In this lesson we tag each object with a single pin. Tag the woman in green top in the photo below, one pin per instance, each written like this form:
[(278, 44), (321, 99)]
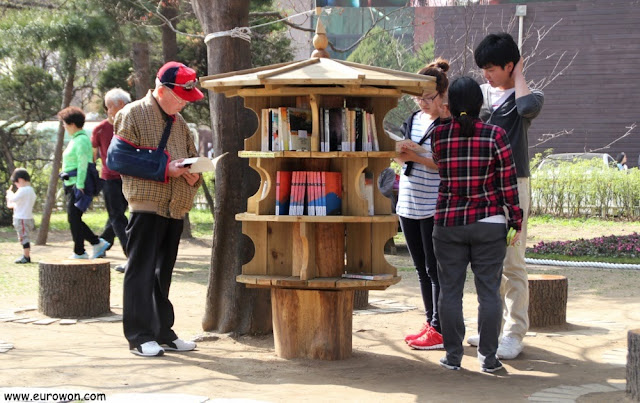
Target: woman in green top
[(75, 160)]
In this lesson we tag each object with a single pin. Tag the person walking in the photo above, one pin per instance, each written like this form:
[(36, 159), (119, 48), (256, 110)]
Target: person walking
[(478, 180), (21, 202), (157, 210), (114, 201)]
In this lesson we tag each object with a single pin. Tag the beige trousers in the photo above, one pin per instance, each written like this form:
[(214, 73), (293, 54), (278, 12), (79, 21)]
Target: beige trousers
[(515, 282)]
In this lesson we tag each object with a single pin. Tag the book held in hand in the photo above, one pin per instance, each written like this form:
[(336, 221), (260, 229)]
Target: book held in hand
[(201, 164), (412, 145)]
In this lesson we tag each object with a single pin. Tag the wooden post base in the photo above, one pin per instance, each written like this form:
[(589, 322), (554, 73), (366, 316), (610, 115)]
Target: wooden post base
[(547, 300), (74, 288), (633, 365), (312, 323)]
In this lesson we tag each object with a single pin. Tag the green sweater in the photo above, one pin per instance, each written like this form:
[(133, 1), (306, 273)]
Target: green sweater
[(77, 156)]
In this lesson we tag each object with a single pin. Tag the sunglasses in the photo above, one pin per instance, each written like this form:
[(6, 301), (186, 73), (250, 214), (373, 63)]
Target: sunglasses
[(189, 85)]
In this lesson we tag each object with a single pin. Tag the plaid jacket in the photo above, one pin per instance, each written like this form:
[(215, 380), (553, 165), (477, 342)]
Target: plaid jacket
[(142, 123), (478, 176)]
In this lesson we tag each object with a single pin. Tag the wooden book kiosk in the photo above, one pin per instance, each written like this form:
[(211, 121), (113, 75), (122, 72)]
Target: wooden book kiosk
[(302, 258)]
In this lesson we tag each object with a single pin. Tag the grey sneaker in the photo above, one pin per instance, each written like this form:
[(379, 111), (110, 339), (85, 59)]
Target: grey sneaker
[(100, 248), (23, 260), (446, 364), (496, 366), (148, 349)]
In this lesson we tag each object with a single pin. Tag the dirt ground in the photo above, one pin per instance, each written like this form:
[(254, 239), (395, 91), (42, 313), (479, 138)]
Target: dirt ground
[(586, 355)]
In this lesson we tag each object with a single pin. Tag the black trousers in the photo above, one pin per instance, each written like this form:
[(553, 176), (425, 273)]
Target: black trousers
[(79, 230), (418, 234), (116, 206), (152, 250)]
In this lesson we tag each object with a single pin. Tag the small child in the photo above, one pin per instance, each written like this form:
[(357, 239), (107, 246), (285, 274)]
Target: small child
[(22, 203)]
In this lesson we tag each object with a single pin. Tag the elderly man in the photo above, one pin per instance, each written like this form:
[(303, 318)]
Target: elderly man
[(157, 210), (114, 201)]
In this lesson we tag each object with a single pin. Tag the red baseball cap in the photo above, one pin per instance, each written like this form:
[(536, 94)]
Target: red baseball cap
[(181, 79)]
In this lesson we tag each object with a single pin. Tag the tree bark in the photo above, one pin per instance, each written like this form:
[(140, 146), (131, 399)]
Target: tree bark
[(74, 289), (230, 306), (633, 365), (50, 202), (361, 299), (547, 300), (141, 68), (169, 37)]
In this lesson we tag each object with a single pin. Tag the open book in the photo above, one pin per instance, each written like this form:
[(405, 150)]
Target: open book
[(201, 164), (411, 145)]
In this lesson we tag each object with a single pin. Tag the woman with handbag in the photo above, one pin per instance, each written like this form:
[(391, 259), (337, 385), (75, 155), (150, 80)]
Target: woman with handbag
[(77, 157)]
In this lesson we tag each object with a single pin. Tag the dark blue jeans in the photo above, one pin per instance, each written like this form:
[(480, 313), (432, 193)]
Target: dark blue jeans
[(418, 234), (116, 206)]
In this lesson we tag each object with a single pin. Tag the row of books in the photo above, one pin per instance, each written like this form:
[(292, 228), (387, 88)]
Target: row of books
[(340, 129), (314, 193)]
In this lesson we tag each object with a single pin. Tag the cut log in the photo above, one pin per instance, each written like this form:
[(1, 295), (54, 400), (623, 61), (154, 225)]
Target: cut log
[(547, 300), (74, 288), (361, 299), (633, 365), (311, 323)]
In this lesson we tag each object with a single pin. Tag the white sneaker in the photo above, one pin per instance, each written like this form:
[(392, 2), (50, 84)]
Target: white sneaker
[(509, 348), (148, 349), (83, 256), (474, 340), (179, 345), (100, 248)]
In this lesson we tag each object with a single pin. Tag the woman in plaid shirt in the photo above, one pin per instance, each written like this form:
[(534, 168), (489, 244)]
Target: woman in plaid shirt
[(478, 179)]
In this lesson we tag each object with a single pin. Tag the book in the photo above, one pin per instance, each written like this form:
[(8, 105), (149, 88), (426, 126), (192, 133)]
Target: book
[(332, 185), (265, 131), (374, 132), (201, 164), (368, 276), (300, 128), (334, 123), (283, 128), (283, 192), (412, 145), (275, 127)]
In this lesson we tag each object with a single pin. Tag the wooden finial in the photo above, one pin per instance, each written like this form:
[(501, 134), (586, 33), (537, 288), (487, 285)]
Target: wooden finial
[(320, 40)]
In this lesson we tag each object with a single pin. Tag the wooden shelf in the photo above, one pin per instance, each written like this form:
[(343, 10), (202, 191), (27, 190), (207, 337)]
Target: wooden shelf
[(318, 219), (320, 283), (317, 154)]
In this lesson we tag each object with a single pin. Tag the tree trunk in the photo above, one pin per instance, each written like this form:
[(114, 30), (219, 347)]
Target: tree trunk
[(361, 299), (207, 195), (230, 307), (633, 365), (186, 228), (547, 300), (141, 68), (50, 202), (169, 37), (74, 289)]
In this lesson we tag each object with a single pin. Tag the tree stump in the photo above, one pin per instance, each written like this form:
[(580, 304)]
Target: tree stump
[(74, 288), (312, 323), (633, 365), (361, 299), (547, 300)]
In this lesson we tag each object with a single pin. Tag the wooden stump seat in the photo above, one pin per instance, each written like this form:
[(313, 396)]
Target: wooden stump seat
[(548, 295), (633, 365), (74, 288)]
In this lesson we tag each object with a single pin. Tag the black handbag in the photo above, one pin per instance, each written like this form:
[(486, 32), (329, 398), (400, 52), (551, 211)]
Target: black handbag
[(149, 163)]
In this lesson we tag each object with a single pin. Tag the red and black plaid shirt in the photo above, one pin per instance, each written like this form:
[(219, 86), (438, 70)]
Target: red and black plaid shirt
[(478, 176)]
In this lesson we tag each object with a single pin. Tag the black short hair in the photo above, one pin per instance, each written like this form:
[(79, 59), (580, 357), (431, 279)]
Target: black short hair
[(496, 50), (72, 114), (20, 173)]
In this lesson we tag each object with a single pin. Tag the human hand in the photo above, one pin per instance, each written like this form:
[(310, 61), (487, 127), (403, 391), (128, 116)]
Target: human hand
[(191, 178), (407, 154), (513, 237), (176, 170), (518, 68)]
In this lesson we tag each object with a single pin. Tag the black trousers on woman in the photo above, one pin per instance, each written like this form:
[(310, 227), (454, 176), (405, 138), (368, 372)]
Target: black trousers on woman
[(152, 249), (418, 234), (80, 232)]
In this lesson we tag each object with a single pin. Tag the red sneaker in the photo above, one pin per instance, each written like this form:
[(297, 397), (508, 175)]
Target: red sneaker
[(425, 328), (432, 340)]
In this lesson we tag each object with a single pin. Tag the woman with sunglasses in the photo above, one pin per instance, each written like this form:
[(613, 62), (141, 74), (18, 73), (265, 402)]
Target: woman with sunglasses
[(417, 195)]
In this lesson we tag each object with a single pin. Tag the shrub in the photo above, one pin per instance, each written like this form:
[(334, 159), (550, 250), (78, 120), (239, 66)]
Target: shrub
[(626, 246)]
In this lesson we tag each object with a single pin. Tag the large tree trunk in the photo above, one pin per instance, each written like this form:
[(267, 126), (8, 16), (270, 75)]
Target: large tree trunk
[(141, 68), (633, 365), (50, 202), (230, 307), (169, 37)]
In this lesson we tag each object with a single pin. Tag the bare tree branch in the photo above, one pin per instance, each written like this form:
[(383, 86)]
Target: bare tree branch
[(551, 136), (629, 130)]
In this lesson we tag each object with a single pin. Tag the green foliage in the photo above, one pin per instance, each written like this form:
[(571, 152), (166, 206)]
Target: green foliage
[(29, 93), (586, 188), (116, 74)]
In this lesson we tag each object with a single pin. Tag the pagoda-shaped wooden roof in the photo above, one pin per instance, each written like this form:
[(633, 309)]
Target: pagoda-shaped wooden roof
[(319, 72)]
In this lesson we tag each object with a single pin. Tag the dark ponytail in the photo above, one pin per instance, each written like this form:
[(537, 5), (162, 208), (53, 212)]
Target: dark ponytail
[(465, 101)]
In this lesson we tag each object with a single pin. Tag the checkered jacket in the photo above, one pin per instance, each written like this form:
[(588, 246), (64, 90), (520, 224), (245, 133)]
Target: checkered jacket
[(478, 176), (142, 123)]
